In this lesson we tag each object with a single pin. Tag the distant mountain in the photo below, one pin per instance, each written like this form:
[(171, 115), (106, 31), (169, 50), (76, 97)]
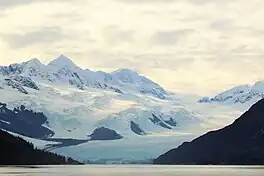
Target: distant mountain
[(62, 70), (241, 143), (244, 94), (16, 151)]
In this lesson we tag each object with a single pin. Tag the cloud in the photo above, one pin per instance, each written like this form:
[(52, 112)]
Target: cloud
[(10, 3), (141, 62), (43, 35), (216, 2), (147, 1), (168, 2), (170, 37), (115, 35), (198, 43), (4, 4), (72, 16), (223, 24)]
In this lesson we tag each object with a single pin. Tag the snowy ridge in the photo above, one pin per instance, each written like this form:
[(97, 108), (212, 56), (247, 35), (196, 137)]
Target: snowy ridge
[(244, 94), (63, 71)]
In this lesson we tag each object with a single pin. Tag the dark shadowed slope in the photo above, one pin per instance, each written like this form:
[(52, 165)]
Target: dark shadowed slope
[(239, 143), (25, 122), (16, 151), (102, 134)]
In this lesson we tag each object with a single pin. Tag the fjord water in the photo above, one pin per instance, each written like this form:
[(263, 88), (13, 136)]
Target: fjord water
[(132, 170)]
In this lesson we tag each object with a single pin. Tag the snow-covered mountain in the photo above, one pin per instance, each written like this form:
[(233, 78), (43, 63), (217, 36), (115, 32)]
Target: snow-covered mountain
[(240, 95), (88, 114), (63, 71)]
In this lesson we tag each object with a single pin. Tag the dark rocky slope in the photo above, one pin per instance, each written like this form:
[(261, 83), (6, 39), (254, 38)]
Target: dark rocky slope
[(136, 129), (25, 122), (237, 144), (16, 151), (102, 134)]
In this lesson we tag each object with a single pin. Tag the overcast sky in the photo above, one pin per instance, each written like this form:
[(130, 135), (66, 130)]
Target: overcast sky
[(199, 46)]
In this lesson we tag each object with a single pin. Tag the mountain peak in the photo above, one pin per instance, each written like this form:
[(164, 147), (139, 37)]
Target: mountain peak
[(62, 61), (34, 61)]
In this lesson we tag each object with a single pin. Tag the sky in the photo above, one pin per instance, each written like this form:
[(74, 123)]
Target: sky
[(197, 46)]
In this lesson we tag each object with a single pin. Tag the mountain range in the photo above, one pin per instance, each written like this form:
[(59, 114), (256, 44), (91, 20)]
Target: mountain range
[(63, 71), (86, 114)]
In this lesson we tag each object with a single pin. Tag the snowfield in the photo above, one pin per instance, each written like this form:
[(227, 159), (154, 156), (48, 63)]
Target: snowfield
[(76, 102)]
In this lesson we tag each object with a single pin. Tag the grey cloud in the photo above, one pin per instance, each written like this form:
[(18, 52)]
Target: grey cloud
[(13, 3), (42, 35), (159, 61), (224, 24), (138, 61), (115, 35), (246, 49), (170, 37), (10, 3)]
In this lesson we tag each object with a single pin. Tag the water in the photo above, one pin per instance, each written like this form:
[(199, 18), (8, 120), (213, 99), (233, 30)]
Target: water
[(129, 170)]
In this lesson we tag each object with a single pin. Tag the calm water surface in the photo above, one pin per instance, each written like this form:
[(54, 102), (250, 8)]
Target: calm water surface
[(129, 170)]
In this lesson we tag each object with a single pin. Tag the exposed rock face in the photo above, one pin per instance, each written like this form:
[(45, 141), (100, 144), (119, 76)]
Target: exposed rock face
[(103, 133), (25, 81), (241, 143), (171, 122), (11, 69), (106, 86), (18, 82), (24, 122), (16, 85), (159, 121), (136, 129)]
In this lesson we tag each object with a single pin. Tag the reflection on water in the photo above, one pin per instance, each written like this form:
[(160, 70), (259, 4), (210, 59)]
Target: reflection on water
[(129, 170)]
